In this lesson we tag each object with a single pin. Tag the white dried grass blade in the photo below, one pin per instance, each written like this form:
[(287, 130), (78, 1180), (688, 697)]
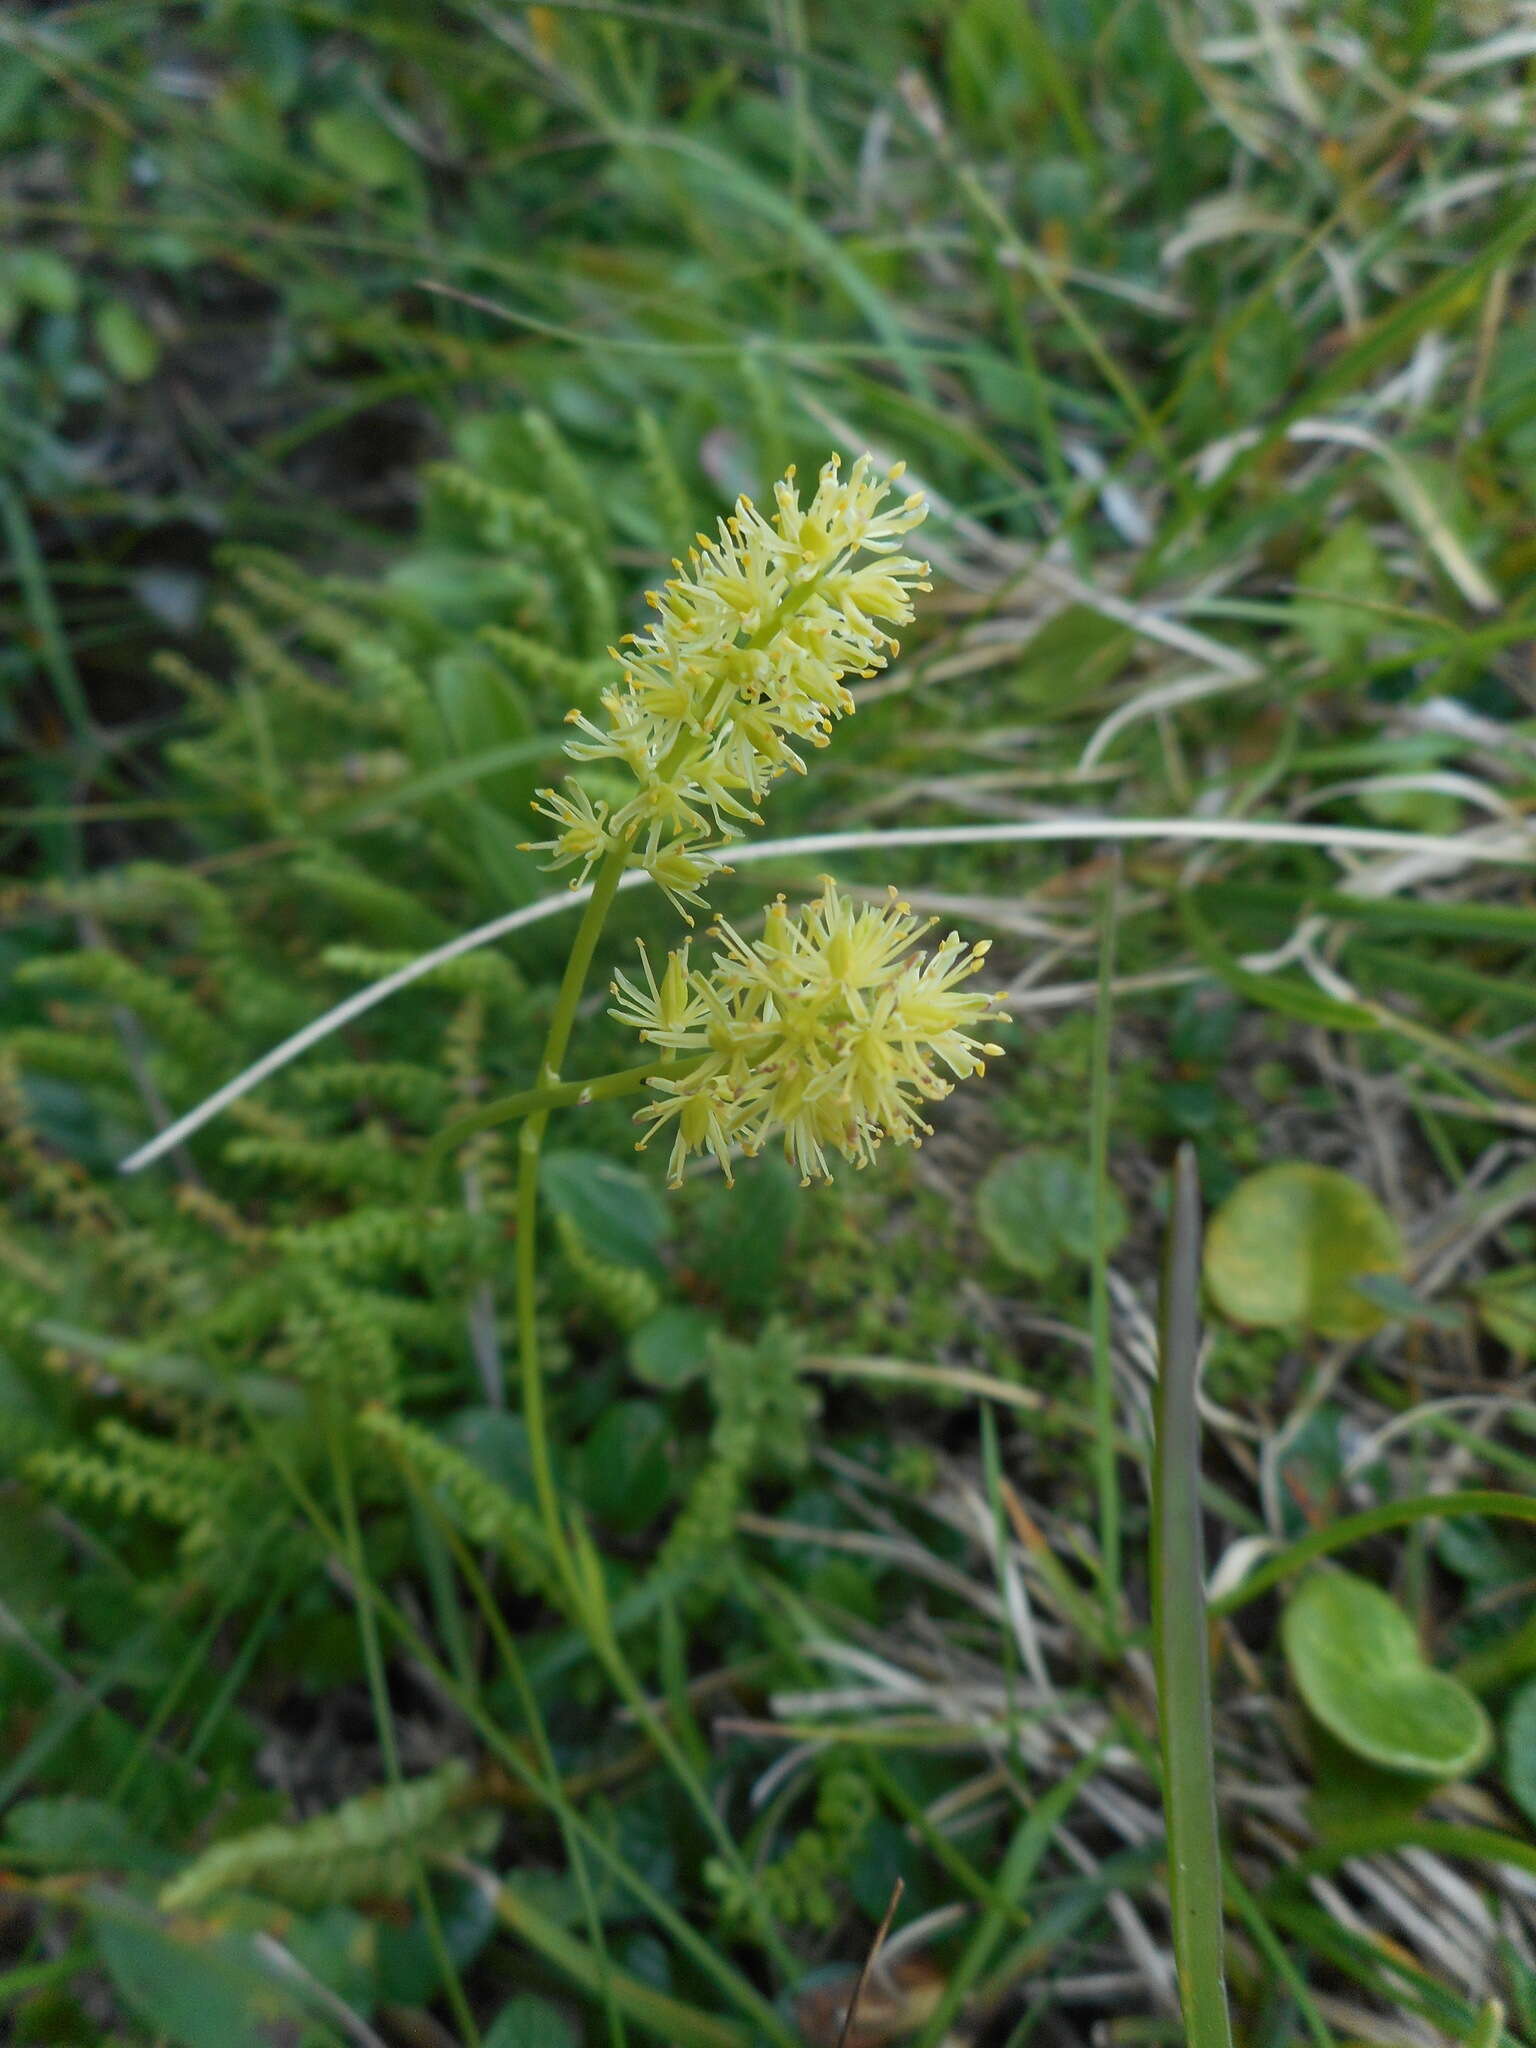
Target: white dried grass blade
[(1438, 782), (1165, 697), (917, 1933), (1226, 219), (1464, 191), (1121, 507), (1236, 1562), (1425, 514), (1501, 49), (1517, 850), (1152, 624)]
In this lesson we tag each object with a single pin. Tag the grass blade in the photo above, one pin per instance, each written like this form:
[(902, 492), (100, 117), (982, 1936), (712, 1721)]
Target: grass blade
[(1181, 1651), (1106, 1474)]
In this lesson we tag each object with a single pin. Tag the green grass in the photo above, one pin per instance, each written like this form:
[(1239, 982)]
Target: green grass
[(361, 367)]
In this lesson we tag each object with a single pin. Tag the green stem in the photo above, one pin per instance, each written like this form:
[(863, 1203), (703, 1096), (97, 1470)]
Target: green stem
[(530, 1140), (1181, 1648), (532, 1101), (531, 1137)]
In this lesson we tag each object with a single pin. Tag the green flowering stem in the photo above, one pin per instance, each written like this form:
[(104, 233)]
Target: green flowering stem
[(1181, 1652), (530, 1140), (529, 1102)]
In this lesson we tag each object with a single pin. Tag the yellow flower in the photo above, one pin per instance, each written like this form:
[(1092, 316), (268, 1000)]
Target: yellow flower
[(584, 831), (828, 1030), (743, 664), (666, 1013)]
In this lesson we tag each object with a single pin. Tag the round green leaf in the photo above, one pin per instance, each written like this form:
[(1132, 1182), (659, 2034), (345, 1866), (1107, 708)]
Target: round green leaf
[(1285, 1250), (672, 1347), (1520, 1750), (1035, 1209), (1357, 1664)]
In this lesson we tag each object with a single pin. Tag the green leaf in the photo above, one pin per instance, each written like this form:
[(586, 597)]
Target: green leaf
[(73, 1833), (41, 279), (131, 348), (1286, 1247), (1035, 1209), (1484, 1556), (1285, 993), (1506, 1308), (1071, 658), (361, 148), (1338, 583), (341, 1948), (672, 1348), (1357, 1664), (618, 1215), (1348, 1792), (1431, 494), (496, 1444), (485, 711), (1395, 1298), (529, 2022), (457, 588), (207, 1994), (626, 1472), (1520, 1750), (410, 1961)]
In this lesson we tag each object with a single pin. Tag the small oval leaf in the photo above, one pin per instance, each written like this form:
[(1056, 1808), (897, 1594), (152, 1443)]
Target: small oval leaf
[(1035, 1209), (1357, 1664), (671, 1348), (1289, 1245), (130, 347)]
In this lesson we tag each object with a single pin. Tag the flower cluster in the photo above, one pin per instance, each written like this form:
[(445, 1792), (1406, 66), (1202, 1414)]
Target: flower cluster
[(828, 1029), (743, 663)]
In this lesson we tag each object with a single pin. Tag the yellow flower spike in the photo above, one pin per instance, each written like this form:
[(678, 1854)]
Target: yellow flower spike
[(742, 663), (827, 1030)]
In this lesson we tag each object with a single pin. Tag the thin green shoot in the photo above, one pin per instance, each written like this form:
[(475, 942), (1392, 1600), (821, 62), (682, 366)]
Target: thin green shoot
[(1106, 1468), (1181, 1649)]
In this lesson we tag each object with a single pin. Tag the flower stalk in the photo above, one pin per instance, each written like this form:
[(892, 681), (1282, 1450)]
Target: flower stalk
[(828, 1030)]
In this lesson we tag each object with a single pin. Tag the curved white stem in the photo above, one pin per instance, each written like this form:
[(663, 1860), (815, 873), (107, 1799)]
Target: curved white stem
[(1508, 849)]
